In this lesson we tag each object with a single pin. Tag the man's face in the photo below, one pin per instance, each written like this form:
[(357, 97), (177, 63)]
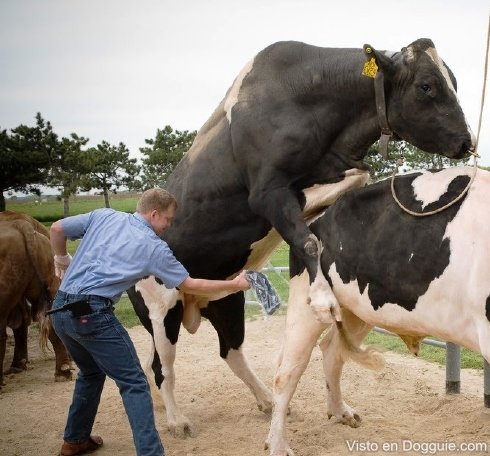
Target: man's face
[(161, 220)]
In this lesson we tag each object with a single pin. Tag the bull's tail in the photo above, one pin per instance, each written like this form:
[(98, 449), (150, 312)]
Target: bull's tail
[(369, 357)]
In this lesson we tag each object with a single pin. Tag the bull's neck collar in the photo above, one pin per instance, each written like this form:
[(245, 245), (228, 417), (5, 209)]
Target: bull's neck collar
[(386, 131)]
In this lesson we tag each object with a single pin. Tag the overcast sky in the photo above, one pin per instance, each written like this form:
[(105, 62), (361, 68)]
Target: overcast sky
[(118, 70)]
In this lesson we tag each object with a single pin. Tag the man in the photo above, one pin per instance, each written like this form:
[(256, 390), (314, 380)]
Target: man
[(116, 251)]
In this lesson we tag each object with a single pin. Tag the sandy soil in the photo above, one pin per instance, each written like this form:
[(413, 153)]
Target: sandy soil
[(405, 401)]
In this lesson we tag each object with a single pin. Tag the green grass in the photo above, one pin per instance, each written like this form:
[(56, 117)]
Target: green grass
[(53, 210), (469, 359), (126, 315)]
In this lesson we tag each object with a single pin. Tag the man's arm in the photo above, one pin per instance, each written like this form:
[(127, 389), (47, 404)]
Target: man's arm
[(62, 258), (58, 238), (205, 287)]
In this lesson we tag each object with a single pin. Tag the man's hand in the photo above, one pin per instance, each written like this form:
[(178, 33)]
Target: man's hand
[(241, 282), (61, 263)]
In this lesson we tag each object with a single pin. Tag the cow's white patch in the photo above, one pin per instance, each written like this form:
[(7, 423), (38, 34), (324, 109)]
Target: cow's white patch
[(232, 96), (429, 187), (453, 307)]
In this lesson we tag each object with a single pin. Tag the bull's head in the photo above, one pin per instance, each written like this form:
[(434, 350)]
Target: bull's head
[(421, 102)]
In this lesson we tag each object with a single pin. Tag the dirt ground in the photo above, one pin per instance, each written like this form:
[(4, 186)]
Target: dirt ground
[(405, 401)]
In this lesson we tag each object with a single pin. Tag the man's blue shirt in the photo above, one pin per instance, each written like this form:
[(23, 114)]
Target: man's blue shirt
[(116, 251)]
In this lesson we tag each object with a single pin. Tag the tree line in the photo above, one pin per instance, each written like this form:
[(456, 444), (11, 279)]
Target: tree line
[(36, 156)]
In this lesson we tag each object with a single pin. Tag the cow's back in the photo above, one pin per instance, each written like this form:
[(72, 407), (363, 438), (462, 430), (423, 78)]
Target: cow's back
[(383, 261)]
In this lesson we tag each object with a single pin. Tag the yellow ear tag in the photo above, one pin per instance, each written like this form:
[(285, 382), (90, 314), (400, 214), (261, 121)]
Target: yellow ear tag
[(370, 68)]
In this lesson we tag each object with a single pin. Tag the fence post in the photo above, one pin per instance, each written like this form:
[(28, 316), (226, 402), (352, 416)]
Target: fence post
[(453, 366), (486, 383)]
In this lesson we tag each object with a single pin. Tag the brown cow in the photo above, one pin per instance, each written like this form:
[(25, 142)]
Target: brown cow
[(27, 274)]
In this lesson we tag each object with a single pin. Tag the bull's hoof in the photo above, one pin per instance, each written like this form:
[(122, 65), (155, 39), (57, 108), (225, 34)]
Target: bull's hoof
[(311, 246), (182, 429)]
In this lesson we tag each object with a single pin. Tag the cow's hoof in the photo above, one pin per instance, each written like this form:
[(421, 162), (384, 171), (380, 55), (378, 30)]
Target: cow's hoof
[(64, 374), (182, 429), (63, 377), (285, 451), (348, 417), (311, 246), (19, 366), (265, 406), (15, 370)]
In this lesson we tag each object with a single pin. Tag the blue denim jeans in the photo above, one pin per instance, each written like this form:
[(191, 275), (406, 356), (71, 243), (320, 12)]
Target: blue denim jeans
[(100, 346)]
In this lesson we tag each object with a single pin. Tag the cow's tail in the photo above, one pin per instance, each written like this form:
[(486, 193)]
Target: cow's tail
[(45, 328), (369, 357)]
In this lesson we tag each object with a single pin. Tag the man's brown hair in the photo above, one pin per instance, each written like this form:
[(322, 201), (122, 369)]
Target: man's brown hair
[(155, 199)]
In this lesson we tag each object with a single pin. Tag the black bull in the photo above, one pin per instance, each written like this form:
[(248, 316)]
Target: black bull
[(297, 115)]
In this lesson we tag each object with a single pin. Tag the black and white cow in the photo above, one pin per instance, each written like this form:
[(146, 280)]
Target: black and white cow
[(288, 138), (415, 276)]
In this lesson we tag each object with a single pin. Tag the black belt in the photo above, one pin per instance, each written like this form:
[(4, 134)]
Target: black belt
[(79, 308)]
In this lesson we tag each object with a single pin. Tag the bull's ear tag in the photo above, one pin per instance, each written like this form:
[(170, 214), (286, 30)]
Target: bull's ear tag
[(370, 68)]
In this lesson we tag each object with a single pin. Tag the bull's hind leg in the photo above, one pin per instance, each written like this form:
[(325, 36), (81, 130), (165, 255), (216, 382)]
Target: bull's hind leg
[(165, 342), (301, 334), (161, 315), (227, 317), (334, 357)]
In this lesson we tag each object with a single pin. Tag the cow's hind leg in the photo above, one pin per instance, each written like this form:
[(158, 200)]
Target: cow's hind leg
[(301, 335), (20, 359), (64, 364), (227, 317), (334, 357)]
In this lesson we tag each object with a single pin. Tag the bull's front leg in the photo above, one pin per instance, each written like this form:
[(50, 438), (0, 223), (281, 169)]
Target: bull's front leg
[(281, 207)]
